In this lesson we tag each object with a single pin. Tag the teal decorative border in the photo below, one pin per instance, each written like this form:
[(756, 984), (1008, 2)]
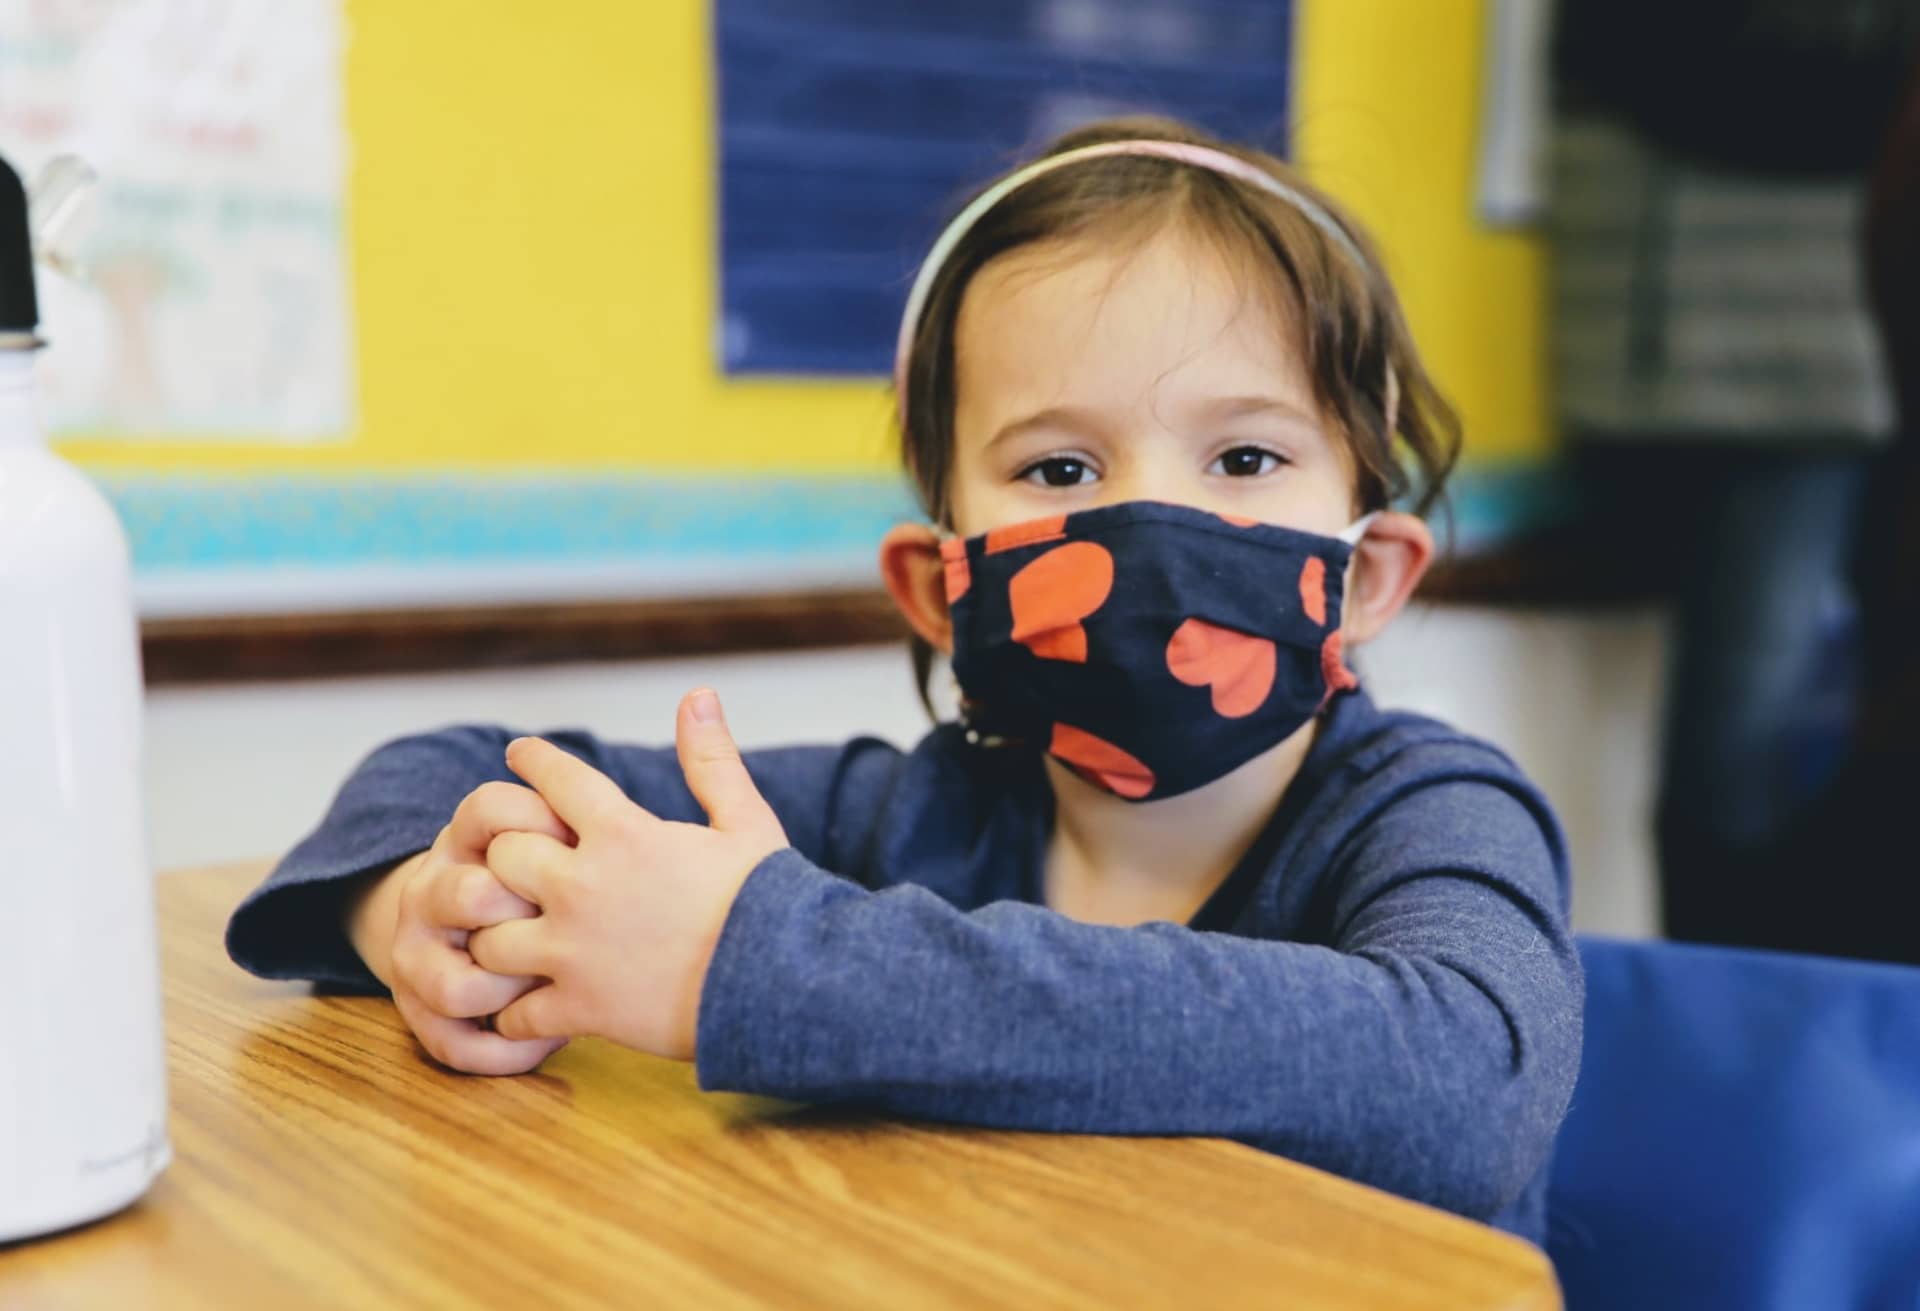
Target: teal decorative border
[(204, 524), (1492, 503)]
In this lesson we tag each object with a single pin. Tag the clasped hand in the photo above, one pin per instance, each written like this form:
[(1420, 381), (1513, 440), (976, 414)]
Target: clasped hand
[(564, 909)]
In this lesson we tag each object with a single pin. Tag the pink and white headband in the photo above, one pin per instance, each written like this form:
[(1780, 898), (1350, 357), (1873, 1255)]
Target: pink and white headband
[(1217, 161)]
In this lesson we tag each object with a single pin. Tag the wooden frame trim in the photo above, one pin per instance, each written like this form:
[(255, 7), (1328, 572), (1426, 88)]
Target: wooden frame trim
[(1541, 572), (336, 645)]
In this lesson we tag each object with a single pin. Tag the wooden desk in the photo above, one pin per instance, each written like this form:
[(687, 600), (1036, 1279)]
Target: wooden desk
[(321, 1162)]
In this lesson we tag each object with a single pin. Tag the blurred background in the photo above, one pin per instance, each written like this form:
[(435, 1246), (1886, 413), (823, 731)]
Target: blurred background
[(524, 364)]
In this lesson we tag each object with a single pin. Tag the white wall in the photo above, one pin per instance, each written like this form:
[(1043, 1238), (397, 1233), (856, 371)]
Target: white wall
[(245, 770), (1575, 698)]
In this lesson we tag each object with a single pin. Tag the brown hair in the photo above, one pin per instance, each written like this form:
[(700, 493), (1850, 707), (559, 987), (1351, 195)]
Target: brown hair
[(1351, 326)]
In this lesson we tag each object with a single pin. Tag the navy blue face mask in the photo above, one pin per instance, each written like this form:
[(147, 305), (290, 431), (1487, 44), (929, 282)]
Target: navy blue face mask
[(1151, 647)]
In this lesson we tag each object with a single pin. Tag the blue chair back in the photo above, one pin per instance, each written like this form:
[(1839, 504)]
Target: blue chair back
[(1745, 1133)]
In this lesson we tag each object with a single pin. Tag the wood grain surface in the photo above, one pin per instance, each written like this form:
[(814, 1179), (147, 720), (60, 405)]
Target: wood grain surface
[(321, 1161)]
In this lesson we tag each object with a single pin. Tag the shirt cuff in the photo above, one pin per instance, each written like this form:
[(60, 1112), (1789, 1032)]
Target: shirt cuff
[(296, 928), (740, 1042)]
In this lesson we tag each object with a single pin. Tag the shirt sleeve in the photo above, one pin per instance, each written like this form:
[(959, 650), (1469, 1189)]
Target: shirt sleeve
[(397, 800), (1429, 1049)]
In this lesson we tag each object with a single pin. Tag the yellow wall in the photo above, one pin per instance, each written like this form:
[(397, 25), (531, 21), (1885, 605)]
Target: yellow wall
[(533, 237), (1386, 117)]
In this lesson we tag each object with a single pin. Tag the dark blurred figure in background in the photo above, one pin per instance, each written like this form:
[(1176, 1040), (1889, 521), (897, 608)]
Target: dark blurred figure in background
[(1890, 728), (1731, 411), (1864, 828)]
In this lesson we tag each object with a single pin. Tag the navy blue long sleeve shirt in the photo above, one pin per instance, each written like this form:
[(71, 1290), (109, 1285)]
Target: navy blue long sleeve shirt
[(1385, 987)]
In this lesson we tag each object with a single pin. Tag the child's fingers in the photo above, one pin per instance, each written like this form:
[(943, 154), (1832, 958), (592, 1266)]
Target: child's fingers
[(541, 1014), (464, 1045), (517, 949), (471, 897), (531, 865), (448, 981), (716, 775), (494, 808), (580, 795)]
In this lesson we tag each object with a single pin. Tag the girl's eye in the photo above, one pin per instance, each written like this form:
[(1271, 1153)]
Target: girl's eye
[(1057, 471), (1247, 462)]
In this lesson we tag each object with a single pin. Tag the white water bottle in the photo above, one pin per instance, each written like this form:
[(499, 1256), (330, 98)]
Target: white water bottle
[(83, 1094)]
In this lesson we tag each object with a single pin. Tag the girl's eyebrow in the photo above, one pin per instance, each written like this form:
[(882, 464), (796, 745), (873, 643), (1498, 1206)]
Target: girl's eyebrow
[(1054, 416), (1240, 407), (1213, 410)]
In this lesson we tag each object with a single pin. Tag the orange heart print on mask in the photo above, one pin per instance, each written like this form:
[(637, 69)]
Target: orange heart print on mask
[(953, 564), (1237, 667), (1050, 596), (1101, 761), (1333, 666), (1313, 589)]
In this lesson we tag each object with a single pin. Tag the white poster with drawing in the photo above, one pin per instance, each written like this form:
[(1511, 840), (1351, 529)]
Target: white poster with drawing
[(211, 296)]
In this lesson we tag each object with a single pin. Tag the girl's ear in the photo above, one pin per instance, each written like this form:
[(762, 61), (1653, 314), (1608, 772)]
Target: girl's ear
[(1387, 565), (916, 579)]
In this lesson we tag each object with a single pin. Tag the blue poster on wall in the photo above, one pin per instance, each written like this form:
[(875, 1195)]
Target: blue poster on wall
[(851, 129)]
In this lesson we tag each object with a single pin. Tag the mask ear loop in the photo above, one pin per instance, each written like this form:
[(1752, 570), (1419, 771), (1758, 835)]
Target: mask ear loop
[(1354, 531)]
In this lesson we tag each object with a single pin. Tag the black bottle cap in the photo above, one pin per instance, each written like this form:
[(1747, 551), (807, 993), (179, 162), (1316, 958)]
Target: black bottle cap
[(19, 310)]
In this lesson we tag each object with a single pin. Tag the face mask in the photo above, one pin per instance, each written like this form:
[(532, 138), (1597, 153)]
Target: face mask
[(1152, 647)]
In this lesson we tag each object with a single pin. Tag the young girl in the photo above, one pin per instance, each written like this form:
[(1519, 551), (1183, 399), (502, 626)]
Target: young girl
[(1172, 873)]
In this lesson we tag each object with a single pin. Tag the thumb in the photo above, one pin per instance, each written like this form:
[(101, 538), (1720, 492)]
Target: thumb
[(715, 772)]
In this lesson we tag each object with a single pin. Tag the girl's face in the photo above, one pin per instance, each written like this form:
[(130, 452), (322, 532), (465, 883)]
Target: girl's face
[(1087, 377)]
